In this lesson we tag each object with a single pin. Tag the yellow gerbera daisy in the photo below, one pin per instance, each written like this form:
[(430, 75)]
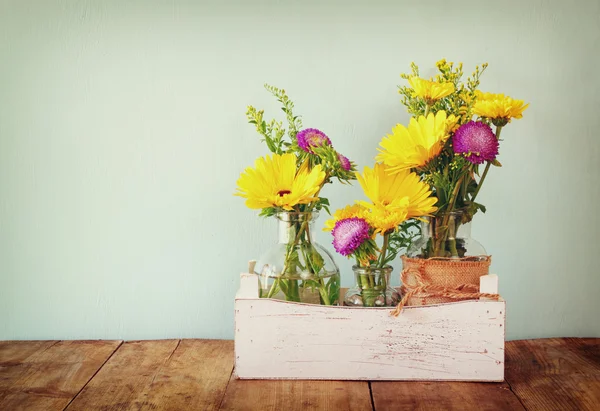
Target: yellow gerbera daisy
[(386, 189), (350, 211), (498, 107), (414, 146), (386, 218), (429, 90), (274, 182)]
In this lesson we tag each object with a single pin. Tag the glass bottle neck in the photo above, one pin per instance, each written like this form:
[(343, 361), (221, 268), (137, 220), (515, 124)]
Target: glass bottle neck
[(294, 226), (385, 271), (437, 226)]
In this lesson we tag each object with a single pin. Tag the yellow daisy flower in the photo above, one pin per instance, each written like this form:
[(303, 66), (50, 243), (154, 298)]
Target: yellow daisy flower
[(429, 90), (395, 197), (388, 189), (350, 211), (414, 146), (498, 107), (384, 219), (274, 182)]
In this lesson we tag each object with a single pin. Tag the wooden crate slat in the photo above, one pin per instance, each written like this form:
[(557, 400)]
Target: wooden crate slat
[(555, 373), (443, 395), (462, 341), (166, 375), (277, 395), (52, 376)]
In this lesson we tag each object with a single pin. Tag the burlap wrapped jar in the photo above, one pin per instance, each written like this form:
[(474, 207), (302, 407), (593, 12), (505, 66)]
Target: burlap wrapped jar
[(442, 280)]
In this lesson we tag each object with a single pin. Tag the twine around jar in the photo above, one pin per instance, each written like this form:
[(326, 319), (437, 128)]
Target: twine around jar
[(444, 282)]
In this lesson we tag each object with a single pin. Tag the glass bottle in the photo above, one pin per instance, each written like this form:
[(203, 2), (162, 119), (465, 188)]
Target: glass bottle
[(297, 268), (372, 288), (446, 235)]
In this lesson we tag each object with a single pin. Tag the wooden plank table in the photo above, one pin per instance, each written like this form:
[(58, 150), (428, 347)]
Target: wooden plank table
[(548, 374)]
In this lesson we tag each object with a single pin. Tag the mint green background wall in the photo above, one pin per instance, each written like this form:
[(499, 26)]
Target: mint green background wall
[(122, 133)]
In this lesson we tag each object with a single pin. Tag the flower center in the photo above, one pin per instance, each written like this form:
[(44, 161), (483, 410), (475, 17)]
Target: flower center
[(315, 140), (281, 193)]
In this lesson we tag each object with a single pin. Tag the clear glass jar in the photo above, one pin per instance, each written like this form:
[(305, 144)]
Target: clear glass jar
[(297, 268), (372, 288), (446, 235)]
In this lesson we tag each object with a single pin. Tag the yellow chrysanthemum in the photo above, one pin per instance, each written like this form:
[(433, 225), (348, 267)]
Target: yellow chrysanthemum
[(429, 90), (414, 146), (388, 189), (387, 218), (274, 182), (498, 106), (350, 211)]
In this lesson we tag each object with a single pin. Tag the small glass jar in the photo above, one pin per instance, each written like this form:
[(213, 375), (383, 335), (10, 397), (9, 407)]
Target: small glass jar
[(447, 235), (297, 268), (372, 288)]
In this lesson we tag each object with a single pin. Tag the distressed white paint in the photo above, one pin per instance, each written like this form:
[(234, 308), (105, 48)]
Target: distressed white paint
[(461, 341)]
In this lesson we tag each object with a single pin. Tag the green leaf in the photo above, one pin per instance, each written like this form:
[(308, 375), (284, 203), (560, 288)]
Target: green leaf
[(268, 212), (317, 261), (333, 288)]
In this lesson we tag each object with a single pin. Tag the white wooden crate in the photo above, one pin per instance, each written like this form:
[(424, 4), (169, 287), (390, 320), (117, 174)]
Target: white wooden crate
[(461, 341)]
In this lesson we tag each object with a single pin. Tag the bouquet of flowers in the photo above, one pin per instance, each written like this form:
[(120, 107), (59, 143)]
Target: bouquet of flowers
[(396, 199), (287, 184), (446, 147)]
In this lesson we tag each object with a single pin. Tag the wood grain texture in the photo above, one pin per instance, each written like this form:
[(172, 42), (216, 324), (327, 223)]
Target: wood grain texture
[(195, 377), (555, 374), (431, 396), (165, 375), (548, 374), (13, 359), (462, 341), (51, 376), (250, 395)]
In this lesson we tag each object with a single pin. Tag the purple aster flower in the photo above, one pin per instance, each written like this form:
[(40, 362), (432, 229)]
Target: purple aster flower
[(349, 234), (476, 141), (346, 165), (311, 137)]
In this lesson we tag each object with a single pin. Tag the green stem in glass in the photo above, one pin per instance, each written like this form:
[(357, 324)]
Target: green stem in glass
[(309, 261), (452, 247), (386, 239), (440, 243), (288, 255), (293, 290)]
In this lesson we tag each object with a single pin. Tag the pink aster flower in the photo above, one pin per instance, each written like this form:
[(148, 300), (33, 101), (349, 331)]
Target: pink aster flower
[(346, 165), (476, 141), (311, 137), (349, 234)]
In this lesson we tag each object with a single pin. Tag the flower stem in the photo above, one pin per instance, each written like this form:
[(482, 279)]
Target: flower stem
[(441, 242), (485, 171), (288, 255), (384, 247)]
